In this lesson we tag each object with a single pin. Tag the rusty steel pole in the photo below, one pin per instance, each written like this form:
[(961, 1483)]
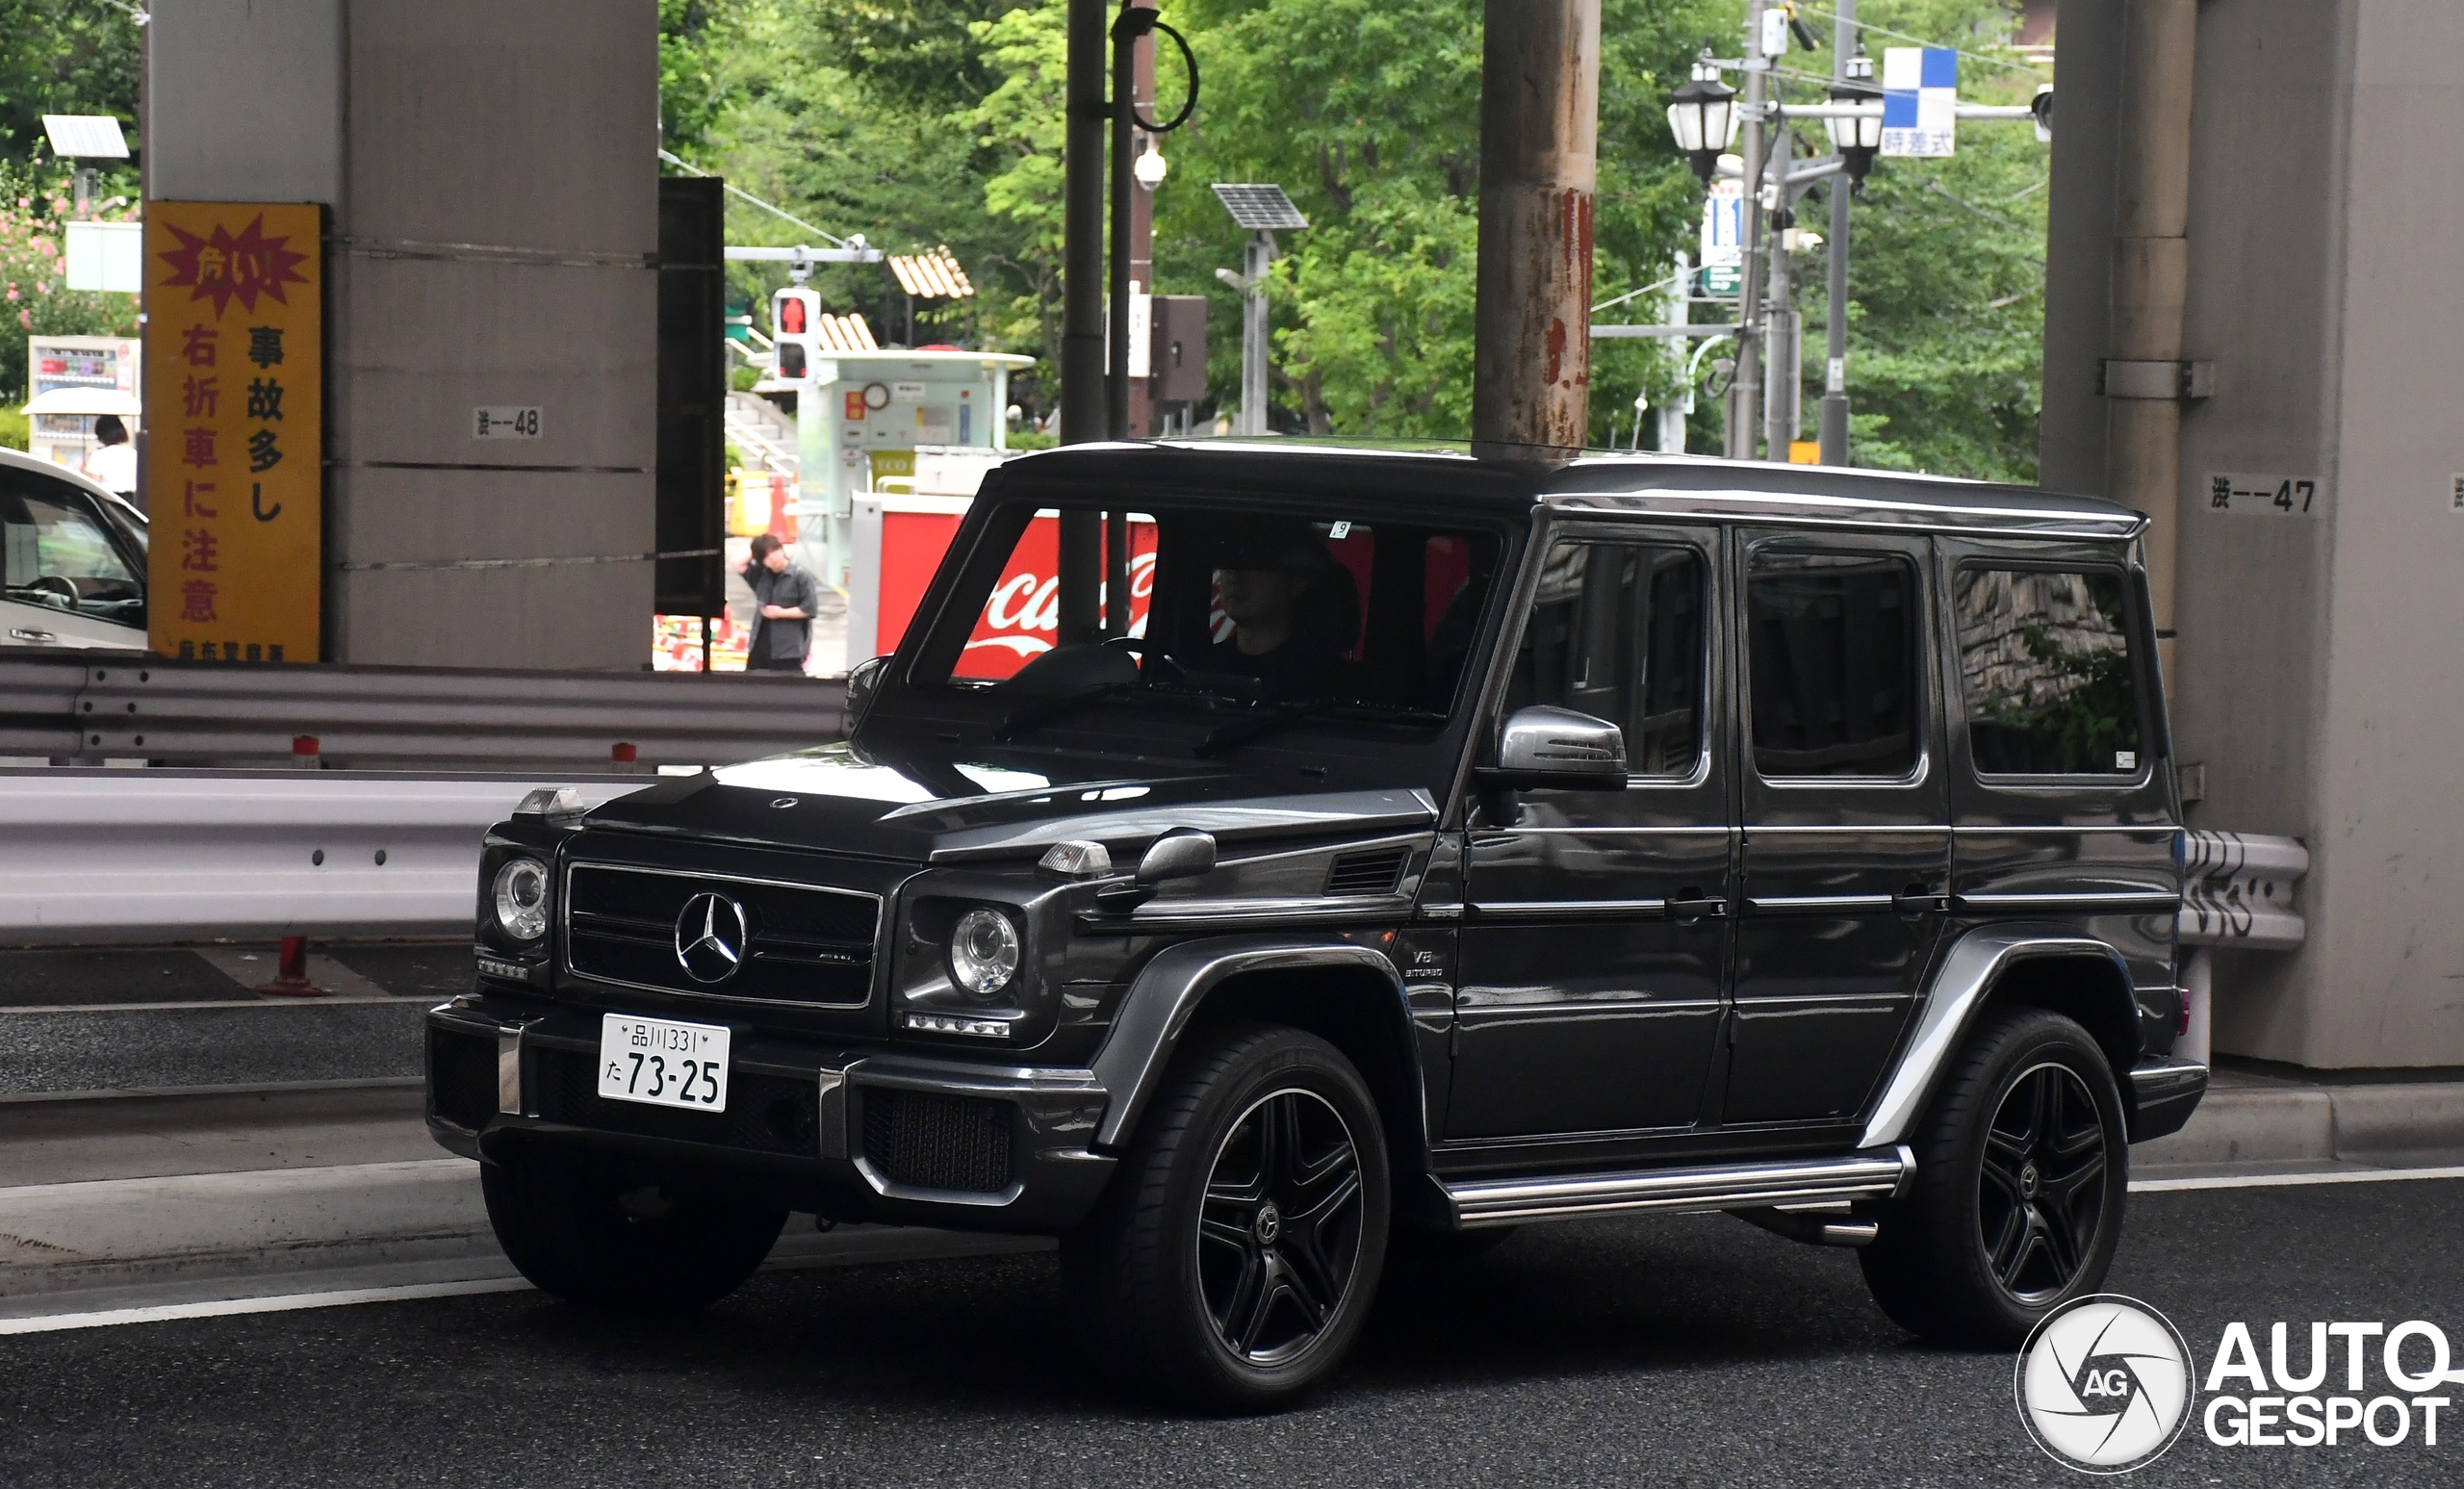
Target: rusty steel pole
[(1539, 166)]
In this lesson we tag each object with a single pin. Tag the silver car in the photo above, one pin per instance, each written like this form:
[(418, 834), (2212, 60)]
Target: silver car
[(75, 559)]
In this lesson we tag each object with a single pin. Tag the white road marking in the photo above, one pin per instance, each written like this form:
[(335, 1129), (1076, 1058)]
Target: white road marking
[(288, 1303), (2290, 1180)]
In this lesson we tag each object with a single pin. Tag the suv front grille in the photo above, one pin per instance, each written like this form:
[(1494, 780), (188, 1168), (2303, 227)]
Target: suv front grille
[(805, 943), (932, 1142), (766, 1114)]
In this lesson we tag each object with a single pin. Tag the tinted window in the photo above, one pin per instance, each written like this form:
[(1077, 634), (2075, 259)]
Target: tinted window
[(1616, 633), (1832, 650), (2044, 662), (1257, 607)]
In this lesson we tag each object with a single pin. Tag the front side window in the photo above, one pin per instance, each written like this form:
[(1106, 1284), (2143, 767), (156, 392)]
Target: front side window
[(1833, 663), (55, 553), (1616, 632), (2044, 665), (1316, 610)]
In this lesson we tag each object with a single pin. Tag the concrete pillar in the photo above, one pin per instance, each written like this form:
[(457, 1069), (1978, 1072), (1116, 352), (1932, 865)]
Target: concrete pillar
[(2318, 694), (495, 232)]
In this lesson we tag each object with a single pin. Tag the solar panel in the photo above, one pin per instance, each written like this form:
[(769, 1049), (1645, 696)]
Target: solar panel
[(1256, 206), (85, 137)]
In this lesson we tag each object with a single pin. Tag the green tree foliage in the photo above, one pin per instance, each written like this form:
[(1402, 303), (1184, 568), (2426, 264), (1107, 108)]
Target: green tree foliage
[(34, 297), (64, 57), (1946, 269), (940, 121)]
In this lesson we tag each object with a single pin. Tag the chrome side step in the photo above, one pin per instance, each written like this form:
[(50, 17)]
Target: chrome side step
[(1873, 1174)]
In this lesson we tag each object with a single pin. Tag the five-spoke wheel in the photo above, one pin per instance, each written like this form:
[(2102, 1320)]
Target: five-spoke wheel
[(2021, 1169), (2040, 1189), (1237, 1250), (1278, 1235)]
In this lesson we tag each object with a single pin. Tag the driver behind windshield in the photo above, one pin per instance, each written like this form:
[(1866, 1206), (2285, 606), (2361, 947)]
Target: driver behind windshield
[(1294, 610)]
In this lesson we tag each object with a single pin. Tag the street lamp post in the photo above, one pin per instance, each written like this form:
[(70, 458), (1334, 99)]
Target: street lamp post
[(1262, 210), (1702, 116), (1738, 441), (1857, 140)]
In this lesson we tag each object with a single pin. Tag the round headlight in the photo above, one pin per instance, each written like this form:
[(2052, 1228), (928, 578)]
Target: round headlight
[(983, 952), (522, 899)]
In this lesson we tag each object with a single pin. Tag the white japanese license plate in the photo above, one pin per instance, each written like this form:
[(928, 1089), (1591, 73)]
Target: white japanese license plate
[(663, 1063)]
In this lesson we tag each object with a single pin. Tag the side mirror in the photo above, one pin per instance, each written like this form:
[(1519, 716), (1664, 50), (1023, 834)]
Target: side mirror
[(1546, 748), (1183, 853), (864, 684)]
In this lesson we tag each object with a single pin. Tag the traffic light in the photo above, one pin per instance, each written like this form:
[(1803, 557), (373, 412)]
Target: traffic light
[(795, 316)]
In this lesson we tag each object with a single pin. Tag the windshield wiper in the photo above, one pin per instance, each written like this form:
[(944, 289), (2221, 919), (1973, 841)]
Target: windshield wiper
[(1225, 738)]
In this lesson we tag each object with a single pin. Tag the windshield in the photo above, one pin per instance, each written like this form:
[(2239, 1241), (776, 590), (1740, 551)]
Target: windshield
[(1316, 613)]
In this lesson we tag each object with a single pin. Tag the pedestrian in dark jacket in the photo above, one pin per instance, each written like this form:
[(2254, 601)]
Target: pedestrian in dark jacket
[(785, 597)]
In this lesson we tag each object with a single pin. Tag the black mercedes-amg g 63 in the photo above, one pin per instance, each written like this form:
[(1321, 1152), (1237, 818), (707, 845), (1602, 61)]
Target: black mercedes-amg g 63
[(1256, 857)]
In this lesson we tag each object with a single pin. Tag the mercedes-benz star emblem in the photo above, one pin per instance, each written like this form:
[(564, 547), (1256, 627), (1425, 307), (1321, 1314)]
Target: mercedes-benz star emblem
[(710, 937)]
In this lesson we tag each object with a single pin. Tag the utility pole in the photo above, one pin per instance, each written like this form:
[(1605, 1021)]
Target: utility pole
[(1082, 305), (1539, 168), (1834, 359), (1781, 367), (1743, 383)]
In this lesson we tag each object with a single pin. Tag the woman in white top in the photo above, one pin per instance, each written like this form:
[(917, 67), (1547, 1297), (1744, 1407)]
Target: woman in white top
[(111, 464)]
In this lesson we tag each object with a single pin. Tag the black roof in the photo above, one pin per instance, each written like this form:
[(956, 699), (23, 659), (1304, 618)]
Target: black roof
[(1237, 470)]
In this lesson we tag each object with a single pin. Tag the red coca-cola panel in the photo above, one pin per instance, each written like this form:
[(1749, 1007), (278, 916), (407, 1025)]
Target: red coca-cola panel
[(1022, 615)]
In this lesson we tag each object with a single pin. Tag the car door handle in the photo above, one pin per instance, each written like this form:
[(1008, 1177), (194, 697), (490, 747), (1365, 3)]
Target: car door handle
[(29, 634), (1918, 900), (1692, 904)]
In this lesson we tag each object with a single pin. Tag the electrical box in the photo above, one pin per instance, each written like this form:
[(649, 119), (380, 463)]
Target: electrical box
[(1178, 362)]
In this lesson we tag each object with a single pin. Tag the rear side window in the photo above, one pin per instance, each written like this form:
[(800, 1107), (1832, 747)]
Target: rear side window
[(2044, 664), (1617, 632), (1832, 653)]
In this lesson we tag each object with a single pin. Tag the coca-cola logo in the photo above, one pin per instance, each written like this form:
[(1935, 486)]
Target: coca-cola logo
[(1021, 616)]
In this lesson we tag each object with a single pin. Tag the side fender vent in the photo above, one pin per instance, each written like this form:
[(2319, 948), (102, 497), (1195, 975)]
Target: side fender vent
[(1368, 873)]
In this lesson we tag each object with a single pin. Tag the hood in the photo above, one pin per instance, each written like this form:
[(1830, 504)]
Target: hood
[(834, 800)]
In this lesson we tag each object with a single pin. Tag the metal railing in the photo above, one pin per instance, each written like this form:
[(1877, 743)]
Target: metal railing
[(2237, 891), (88, 707), (92, 857)]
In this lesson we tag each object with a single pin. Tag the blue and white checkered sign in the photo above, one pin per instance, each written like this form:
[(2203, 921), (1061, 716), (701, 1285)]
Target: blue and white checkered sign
[(1920, 102)]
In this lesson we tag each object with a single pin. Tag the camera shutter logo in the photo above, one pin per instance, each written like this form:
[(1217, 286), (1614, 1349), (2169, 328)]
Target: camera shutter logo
[(2104, 1384), (710, 937)]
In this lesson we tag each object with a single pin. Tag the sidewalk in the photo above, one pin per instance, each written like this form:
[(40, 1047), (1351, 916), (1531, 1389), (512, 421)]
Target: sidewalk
[(2289, 1123)]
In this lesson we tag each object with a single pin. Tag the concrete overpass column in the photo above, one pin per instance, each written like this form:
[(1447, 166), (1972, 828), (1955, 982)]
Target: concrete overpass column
[(494, 241)]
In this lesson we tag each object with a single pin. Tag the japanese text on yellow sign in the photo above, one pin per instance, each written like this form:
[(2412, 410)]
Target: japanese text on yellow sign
[(234, 429)]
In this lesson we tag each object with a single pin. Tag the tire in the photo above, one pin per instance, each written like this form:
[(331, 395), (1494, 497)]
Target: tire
[(592, 1233), (2022, 1171), (1235, 1255)]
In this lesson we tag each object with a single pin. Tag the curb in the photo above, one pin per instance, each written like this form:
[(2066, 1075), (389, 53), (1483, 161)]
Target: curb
[(2395, 1125)]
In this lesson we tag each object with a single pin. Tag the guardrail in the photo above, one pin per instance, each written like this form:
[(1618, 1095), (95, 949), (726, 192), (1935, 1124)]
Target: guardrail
[(2237, 891), (90, 856), (86, 708)]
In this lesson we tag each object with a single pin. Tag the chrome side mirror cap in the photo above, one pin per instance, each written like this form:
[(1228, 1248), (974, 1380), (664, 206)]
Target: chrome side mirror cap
[(1549, 748)]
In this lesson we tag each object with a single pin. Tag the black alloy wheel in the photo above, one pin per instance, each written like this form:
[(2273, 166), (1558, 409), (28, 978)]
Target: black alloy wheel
[(1278, 1236), (2040, 1189), (2023, 1176), (1235, 1252)]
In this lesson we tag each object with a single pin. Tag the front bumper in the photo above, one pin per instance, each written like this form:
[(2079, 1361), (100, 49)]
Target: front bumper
[(850, 1132), (2161, 1094)]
